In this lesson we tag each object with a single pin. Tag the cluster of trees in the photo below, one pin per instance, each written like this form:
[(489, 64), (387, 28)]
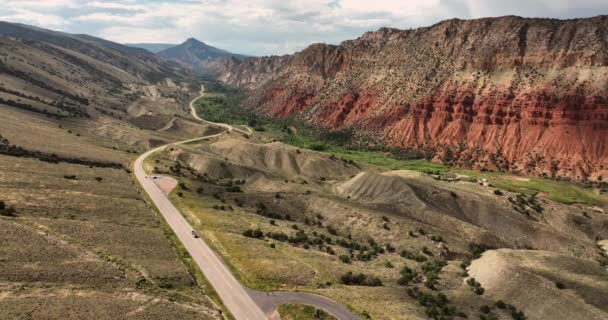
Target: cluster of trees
[(413, 256), (254, 233), (360, 279), (521, 203), (431, 270), (476, 286), (408, 276), (263, 210), (436, 306), (16, 151), (28, 107), (515, 314)]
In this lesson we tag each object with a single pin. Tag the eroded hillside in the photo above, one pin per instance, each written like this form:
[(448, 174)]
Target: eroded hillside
[(515, 94), (392, 244)]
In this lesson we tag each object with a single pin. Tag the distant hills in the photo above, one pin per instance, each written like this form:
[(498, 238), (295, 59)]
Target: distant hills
[(74, 75), (152, 47), (194, 52)]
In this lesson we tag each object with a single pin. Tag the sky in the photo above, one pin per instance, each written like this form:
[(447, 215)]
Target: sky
[(266, 27)]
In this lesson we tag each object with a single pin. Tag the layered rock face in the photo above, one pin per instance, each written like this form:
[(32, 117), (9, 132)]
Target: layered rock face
[(516, 94)]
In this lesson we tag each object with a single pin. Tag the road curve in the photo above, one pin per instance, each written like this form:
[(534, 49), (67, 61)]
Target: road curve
[(243, 303)]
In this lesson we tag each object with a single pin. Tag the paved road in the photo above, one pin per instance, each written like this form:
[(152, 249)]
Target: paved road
[(269, 301), (243, 303), (223, 125)]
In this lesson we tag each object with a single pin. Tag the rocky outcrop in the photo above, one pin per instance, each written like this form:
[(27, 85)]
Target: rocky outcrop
[(510, 93)]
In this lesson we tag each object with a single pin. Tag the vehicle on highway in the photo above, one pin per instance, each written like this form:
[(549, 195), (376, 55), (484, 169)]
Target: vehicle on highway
[(194, 234)]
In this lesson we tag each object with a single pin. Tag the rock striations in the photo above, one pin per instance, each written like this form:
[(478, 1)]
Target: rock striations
[(508, 93)]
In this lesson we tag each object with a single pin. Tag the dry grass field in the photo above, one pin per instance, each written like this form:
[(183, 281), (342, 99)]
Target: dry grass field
[(83, 243), (82, 247)]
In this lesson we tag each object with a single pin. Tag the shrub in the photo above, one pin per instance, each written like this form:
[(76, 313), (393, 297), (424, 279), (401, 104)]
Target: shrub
[(257, 233), (318, 146), (299, 237), (233, 189), (498, 192), (431, 271), (6, 210), (518, 315), (70, 177), (345, 258), (466, 262), (407, 276), (477, 249), (436, 307), (279, 236), (437, 238), (560, 285), (360, 279), (412, 256), (331, 230)]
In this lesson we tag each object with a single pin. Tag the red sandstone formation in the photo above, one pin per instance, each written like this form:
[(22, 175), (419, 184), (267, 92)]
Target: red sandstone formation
[(527, 95)]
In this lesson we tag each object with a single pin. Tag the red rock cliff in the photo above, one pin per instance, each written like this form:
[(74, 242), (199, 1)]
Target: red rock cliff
[(518, 94)]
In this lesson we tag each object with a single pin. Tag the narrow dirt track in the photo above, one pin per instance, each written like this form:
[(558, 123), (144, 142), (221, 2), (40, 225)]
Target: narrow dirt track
[(243, 303)]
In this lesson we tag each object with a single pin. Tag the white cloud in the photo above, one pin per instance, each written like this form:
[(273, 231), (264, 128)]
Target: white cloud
[(267, 26), (31, 17), (115, 5)]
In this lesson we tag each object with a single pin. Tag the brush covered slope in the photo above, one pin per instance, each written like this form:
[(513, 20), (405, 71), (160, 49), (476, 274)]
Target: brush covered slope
[(78, 239), (509, 93)]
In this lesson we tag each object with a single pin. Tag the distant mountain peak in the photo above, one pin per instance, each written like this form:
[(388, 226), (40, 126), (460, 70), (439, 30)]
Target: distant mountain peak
[(193, 41), (193, 52)]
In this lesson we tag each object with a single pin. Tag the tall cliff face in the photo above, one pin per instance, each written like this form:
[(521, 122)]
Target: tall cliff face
[(528, 95)]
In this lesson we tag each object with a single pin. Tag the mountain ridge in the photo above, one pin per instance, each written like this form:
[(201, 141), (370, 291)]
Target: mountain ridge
[(515, 94), (194, 52), (152, 47)]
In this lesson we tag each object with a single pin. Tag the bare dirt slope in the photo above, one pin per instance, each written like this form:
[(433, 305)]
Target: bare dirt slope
[(279, 157), (556, 286)]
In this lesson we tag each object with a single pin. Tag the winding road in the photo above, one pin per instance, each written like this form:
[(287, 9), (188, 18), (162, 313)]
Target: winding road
[(243, 303)]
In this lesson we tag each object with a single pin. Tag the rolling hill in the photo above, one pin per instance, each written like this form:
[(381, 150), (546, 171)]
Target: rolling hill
[(152, 47)]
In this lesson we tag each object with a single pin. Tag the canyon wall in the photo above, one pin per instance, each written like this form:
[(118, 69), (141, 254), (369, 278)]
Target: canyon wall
[(509, 93)]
